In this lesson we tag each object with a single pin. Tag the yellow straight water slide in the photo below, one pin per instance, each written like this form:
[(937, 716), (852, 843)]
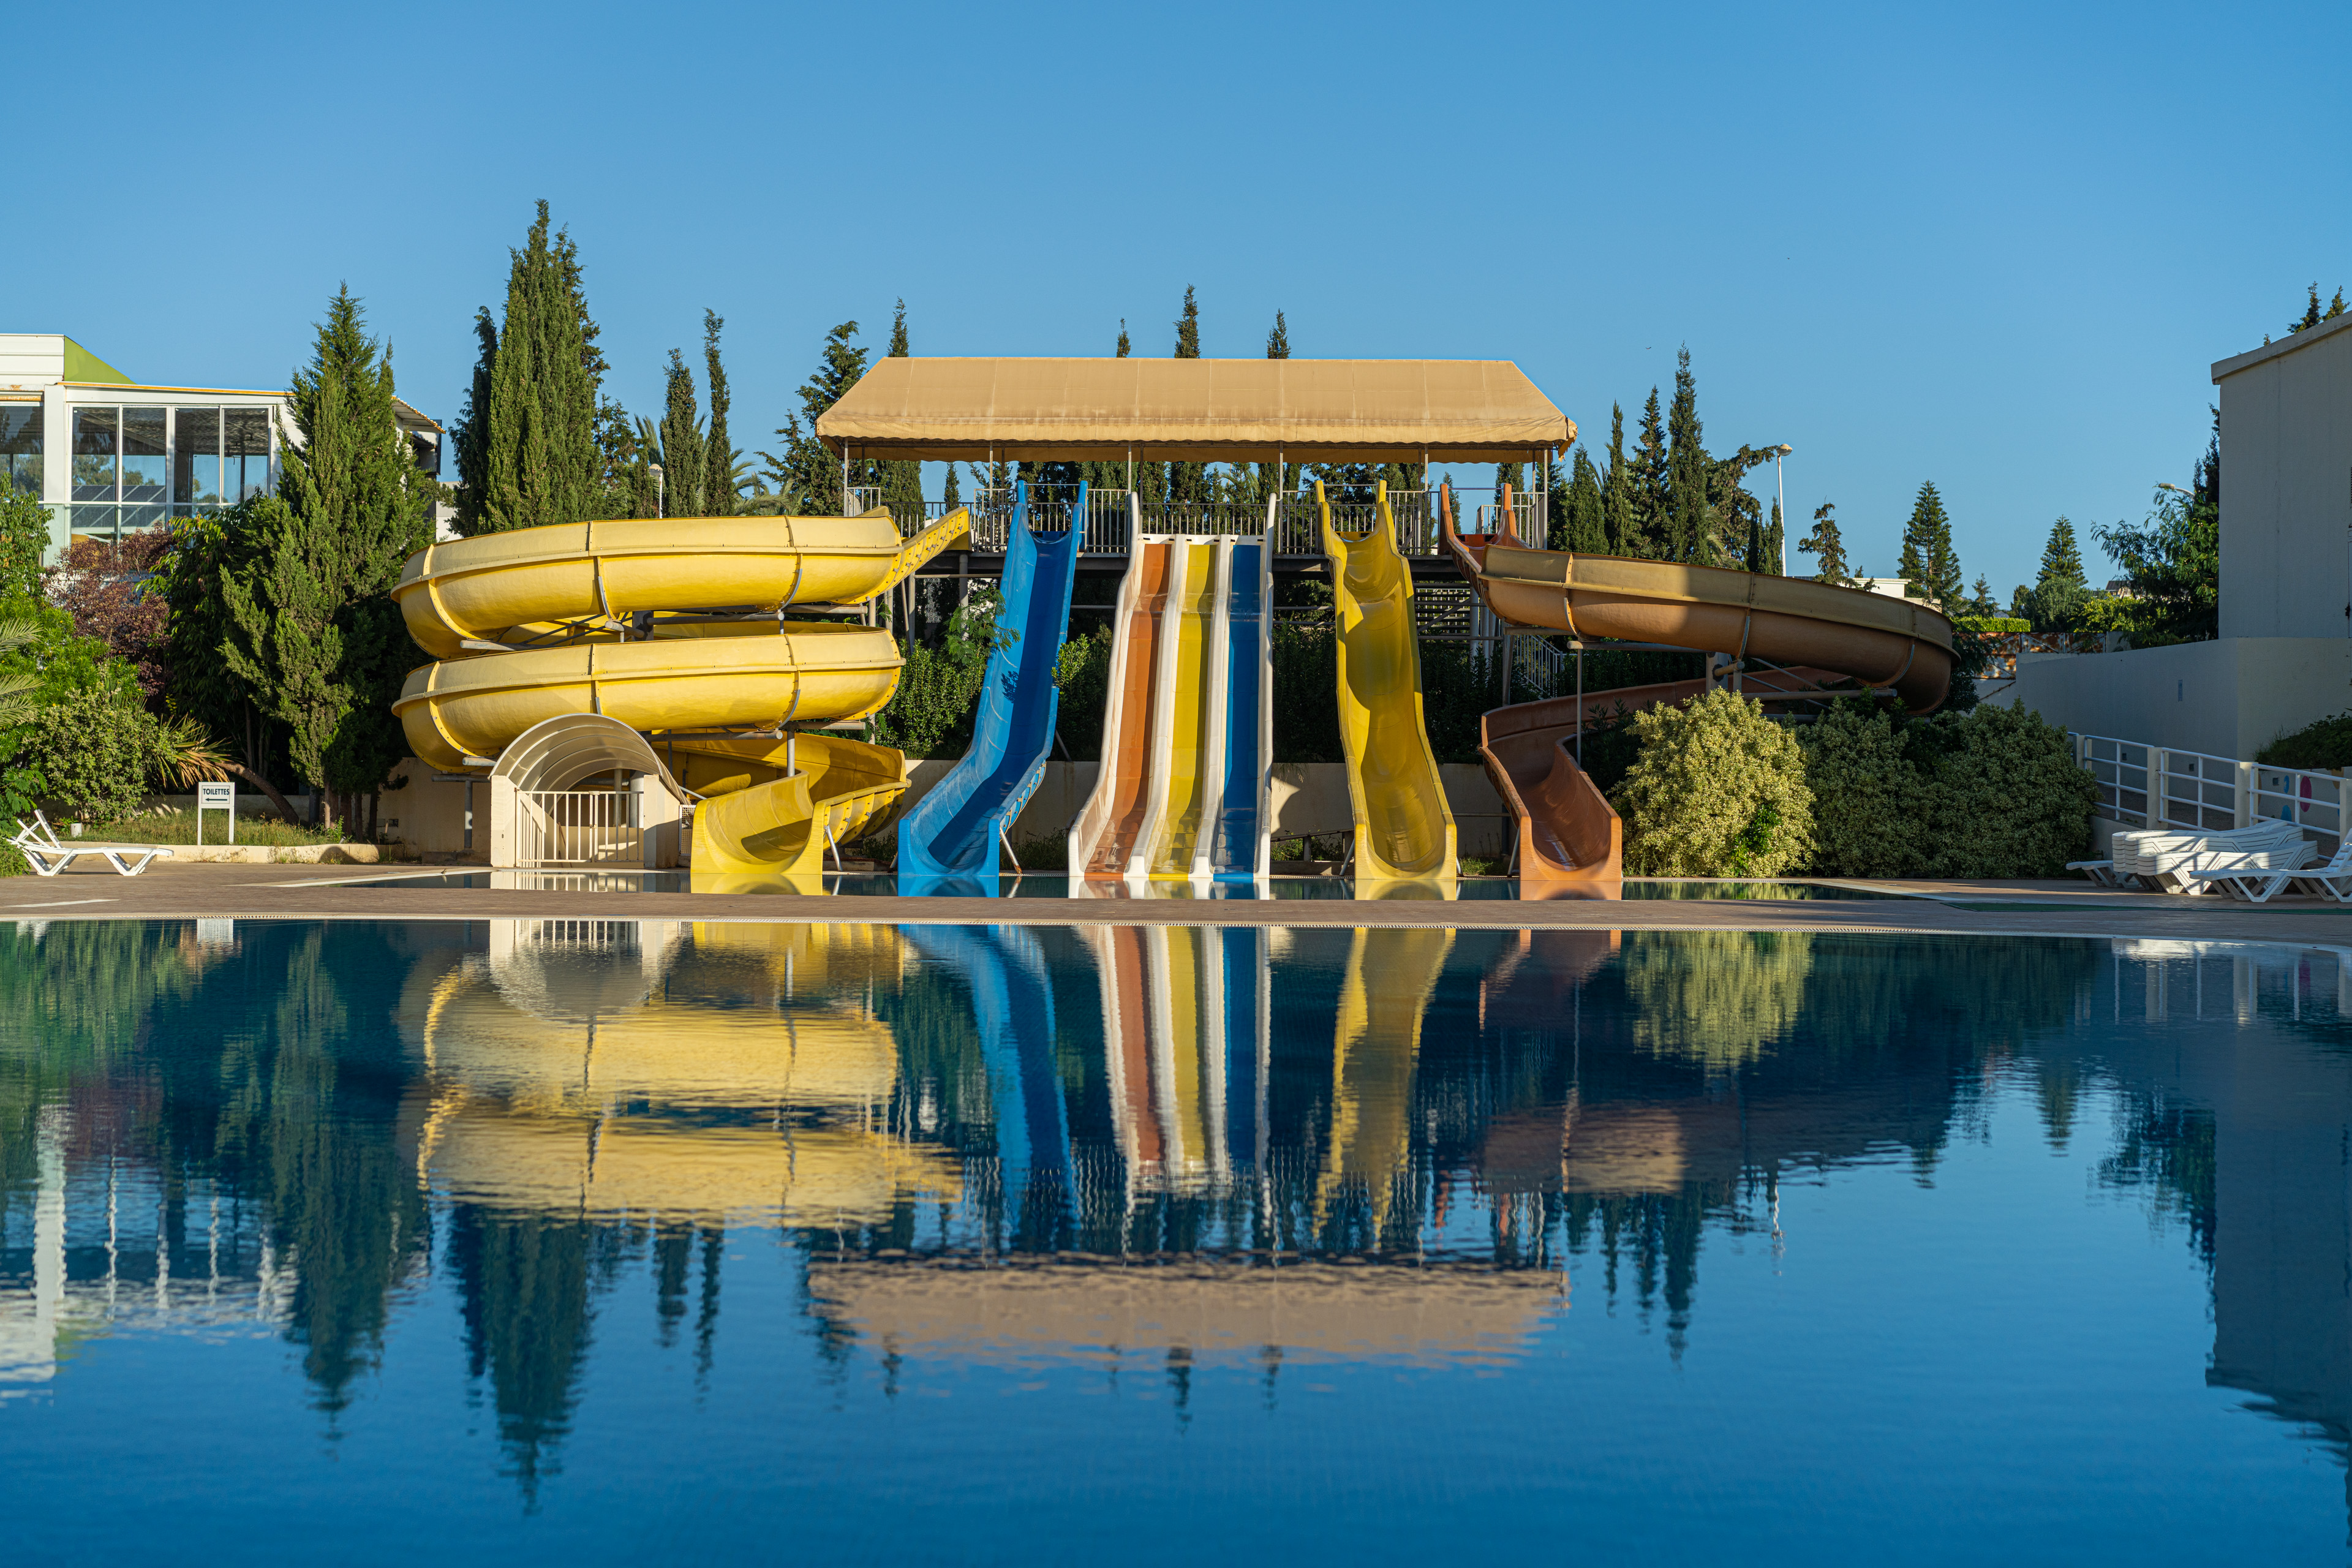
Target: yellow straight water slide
[(1404, 829), (674, 627)]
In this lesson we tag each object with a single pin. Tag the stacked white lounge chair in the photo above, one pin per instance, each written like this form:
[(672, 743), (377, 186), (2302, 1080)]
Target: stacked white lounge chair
[(2170, 860)]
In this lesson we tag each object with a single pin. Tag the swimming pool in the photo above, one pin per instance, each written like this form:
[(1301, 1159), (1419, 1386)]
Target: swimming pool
[(1057, 886), (650, 1240)]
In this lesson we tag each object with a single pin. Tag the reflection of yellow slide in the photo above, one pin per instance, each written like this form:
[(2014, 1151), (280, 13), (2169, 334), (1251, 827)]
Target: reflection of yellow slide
[(715, 1077), (1404, 830), (673, 627), (1376, 1047)]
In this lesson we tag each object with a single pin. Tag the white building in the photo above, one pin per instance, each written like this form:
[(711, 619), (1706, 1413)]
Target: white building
[(2284, 654), (109, 456)]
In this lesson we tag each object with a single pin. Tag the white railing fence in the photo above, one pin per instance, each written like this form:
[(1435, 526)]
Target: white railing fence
[(578, 827), (2160, 787)]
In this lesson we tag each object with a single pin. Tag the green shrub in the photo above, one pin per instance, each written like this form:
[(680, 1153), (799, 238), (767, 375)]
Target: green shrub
[(938, 695), (2004, 795), (1867, 793), (1083, 676), (2326, 744), (1995, 626), (94, 752), (1306, 691), (1717, 790)]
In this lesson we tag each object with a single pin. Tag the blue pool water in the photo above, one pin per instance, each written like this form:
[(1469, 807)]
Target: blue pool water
[(642, 1241)]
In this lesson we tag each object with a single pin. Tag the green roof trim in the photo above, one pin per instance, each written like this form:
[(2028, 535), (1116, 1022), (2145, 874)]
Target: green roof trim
[(83, 366)]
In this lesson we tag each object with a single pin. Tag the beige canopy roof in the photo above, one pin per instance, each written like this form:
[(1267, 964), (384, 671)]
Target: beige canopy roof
[(1196, 410)]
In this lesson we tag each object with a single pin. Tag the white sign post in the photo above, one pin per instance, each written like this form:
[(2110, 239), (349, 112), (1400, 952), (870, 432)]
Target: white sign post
[(217, 797)]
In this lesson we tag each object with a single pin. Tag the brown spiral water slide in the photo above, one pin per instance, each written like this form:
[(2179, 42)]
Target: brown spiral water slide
[(1570, 840)]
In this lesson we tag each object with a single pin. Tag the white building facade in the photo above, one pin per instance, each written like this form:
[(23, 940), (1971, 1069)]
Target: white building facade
[(108, 456)]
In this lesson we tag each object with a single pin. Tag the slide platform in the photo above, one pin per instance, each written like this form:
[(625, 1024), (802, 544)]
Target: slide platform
[(674, 627), (953, 831), (1404, 829), (1570, 839), (1186, 786)]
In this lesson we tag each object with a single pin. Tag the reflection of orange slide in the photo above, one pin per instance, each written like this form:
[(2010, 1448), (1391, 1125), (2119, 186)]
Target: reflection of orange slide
[(1569, 838)]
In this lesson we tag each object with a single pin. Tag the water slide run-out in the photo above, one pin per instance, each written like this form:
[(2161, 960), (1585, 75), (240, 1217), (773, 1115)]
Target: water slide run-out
[(953, 831), (1804, 634), (674, 628), (1186, 782), (1404, 829)]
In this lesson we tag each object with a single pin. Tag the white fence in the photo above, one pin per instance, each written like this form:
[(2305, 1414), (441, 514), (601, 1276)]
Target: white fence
[(2157, 786), (578, 827)]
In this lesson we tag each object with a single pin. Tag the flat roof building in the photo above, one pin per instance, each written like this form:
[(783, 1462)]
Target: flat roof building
[(109, 456)]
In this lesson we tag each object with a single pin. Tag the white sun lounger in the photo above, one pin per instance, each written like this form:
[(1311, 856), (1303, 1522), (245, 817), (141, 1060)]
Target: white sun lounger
[(2157, 859), (48, 855), (2332, 882), (2256, 876)]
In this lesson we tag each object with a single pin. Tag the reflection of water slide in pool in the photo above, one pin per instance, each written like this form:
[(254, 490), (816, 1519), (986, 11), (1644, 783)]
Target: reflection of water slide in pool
[(673, 627), (571, 1072), (1012, 1007), (1183, 1007), (1185, 787), (1567, 834), (1375, 1046), (1404, 829)]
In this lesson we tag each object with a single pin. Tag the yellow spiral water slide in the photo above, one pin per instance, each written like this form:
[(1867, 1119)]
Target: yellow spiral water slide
[(674, 627)]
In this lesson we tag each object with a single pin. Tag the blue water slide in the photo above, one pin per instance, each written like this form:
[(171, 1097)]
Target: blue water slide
[(1234, 849), (953, 830)]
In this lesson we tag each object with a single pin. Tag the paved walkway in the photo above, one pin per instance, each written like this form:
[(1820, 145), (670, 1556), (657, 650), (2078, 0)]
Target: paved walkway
[(327, 892)]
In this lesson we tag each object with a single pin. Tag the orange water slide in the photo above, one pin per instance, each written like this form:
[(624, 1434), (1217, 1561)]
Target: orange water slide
[(1570, 839)]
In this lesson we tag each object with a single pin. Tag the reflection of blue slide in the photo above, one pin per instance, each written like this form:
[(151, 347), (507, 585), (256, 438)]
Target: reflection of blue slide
[(1241, 842), (1013, 1010), (953, 830)]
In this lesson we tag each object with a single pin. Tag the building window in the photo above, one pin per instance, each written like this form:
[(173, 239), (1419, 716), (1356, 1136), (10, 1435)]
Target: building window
[(196, 460), (244, 452), (97, 437), (144, 448), (20, 446)]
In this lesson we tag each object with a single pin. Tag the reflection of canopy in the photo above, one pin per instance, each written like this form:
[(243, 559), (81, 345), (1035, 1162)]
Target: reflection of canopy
[(1198, 410), (1317, 1311)]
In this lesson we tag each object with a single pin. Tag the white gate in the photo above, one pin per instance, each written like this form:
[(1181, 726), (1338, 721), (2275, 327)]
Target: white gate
[(578, 827)]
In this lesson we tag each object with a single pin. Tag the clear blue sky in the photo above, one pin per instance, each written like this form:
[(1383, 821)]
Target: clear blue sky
[(1996, 246)]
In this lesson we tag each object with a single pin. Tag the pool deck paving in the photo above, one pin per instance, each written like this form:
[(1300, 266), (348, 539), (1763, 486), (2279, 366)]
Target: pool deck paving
[(331, 893)]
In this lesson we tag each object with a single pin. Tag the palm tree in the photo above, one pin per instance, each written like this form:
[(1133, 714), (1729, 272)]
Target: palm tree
[(16, 706)]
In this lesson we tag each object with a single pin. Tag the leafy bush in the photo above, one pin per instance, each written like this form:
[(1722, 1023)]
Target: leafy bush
[(2326, 744), (1305, 692), (1995, 626), (94, 752), (23, 535), (1717, 790), (2005, 796), (1083, 676), (1867, 793), (939, 692)]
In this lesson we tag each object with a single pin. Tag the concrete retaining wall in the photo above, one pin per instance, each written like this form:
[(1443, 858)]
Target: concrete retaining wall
[(2226, 699)]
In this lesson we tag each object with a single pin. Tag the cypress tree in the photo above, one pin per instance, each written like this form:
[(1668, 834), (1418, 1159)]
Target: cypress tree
[(1654, 485), (471, 434), (1828, 548), (902, 482), (718, 457), (1620, 503), (536, 451), (1271, 479), (1929, 563), (1187, 483), (313, 634), (806, 463), (1583, 525), (681, 444), (2055, 601), (1766, 558), (1687, 472), (1123, 344)]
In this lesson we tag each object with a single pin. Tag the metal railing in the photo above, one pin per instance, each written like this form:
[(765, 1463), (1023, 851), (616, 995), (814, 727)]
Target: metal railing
[(2161, 786), (577, 828)]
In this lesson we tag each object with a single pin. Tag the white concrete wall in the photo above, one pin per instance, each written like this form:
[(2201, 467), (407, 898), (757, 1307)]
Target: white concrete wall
[(2286, 485), (2226, 699)]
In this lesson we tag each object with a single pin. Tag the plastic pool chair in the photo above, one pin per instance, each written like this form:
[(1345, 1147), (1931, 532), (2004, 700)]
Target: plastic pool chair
[(2254, 876), (48, 855)]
